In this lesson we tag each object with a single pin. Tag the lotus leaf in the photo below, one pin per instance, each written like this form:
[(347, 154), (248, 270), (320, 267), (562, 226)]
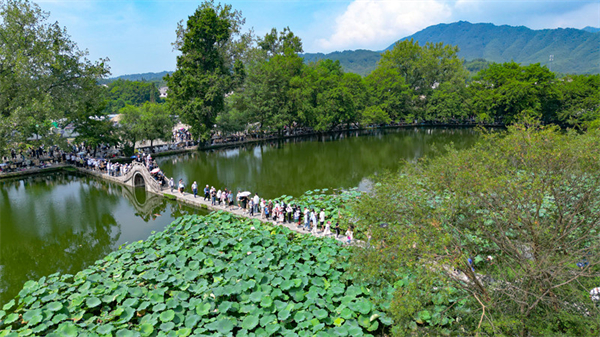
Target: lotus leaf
[(126, 333), (92, 302), (272, 328), (250, 322), (167, 316), (266, 301), (54, 306), (283, 315)]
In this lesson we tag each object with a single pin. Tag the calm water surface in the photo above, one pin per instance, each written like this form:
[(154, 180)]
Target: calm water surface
[(293, 166), (65, 222)]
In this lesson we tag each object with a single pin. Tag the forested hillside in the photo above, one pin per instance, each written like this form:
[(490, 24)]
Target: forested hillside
[(574, 51), (360, 61), (156, 78)]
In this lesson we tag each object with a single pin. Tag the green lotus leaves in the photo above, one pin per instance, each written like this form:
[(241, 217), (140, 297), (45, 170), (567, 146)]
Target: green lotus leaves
[(266, 301), (54, 306), (167, 316), (146, 329), (203, 309), (92, 302), (250, 322), (204, 275), (222, 326)]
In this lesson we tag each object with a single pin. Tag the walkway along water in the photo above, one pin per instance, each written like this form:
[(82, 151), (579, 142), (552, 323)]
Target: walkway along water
[(139, 176)]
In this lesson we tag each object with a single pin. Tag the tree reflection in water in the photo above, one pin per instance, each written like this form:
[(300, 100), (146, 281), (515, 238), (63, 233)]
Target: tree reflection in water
[(64, 222)]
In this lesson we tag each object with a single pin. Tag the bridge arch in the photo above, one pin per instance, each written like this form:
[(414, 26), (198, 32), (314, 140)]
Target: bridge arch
[(138, 180), (138, 175)]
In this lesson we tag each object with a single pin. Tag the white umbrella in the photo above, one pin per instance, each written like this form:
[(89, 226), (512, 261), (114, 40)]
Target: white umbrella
[(245, 194), (156, 170)]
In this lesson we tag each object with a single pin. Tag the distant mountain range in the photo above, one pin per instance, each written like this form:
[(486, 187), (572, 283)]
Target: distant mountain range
[(575, 51), (592, 29), (145, 77)]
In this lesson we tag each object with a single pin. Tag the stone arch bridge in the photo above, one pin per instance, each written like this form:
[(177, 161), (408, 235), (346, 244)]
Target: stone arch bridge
[(139, 175)]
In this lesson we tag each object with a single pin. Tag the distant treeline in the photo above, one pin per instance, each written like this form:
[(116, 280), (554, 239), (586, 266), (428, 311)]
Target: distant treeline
[(411, 83), (121, 93)]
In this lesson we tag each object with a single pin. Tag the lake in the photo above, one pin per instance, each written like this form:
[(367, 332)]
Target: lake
[(64, 222)]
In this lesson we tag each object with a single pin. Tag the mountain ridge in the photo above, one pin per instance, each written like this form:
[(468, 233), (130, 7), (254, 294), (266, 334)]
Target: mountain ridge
[(575, 51)]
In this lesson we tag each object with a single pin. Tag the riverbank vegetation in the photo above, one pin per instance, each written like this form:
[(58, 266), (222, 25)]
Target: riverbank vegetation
[(508, 227), (268, 87), (215, 275)]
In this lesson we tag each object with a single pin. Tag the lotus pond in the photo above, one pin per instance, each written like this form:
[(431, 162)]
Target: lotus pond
[(213, 275)]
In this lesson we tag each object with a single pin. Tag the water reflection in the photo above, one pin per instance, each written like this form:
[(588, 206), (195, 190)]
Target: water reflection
[(65, 222), (293, 166)]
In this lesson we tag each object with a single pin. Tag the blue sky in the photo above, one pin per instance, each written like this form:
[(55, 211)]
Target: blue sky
[(136, 35)]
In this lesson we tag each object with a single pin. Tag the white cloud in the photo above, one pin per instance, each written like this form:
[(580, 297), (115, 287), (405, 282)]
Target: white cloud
[(373, 24)]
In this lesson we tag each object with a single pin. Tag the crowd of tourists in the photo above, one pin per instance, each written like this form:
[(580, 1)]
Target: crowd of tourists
[(42, 157), (307, 219)]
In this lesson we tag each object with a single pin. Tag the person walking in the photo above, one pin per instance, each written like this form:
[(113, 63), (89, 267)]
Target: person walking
[(195, 189), (206, 193), (230, 197), (297, 216), (313, 220), (288, 211), (327, 230), (322, 219), (256, 203), (350, 234), (171, 184), (181, 186), (337, 229), (306, 219)]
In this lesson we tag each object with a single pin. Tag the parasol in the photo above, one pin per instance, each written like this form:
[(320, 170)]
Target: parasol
[(244, 194), (156, 170)]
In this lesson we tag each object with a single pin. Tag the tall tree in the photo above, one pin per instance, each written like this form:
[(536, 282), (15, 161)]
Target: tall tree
[(424, 68), (509, 91), (157, 123), (151, 121), (206, 70), (45, 80), (265, 97)]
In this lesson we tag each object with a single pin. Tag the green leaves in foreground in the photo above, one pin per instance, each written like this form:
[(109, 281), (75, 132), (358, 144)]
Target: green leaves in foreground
[(204, 275)]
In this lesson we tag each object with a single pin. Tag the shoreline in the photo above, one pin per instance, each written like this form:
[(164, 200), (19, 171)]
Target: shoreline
[(62, 166)]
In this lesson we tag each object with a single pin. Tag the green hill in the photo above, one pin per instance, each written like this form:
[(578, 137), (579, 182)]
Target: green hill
[(156, 78), (575, 51), (360, 61)]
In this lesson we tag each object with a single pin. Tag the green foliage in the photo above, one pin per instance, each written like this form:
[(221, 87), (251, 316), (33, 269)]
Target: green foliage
[(510, 90), (205, 275), (530, 198), (45, 80), (155, 78), (423, 69), (580, 100), (205, 68), (360, 61), (151, 121), (121, 92)]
